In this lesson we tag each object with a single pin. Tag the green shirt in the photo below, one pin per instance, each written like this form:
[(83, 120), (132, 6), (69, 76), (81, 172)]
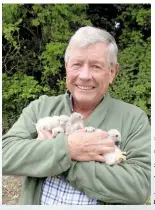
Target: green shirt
[(126, 183)]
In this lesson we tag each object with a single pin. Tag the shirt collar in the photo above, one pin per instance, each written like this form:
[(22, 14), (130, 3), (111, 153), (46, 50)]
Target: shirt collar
[(71, 100)]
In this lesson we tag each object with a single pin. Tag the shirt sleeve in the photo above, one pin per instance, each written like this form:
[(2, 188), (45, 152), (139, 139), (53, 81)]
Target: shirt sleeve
[(24, 155), (126, 183)]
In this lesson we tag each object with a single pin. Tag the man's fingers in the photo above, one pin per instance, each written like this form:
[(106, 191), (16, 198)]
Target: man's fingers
[(108, 142), (53, 135), (100, 158), (107, 150), (99, 130), (43, 134), (45, 131), (102, 143), (80, 130), (103, 133), (40, 135), (99, 134)]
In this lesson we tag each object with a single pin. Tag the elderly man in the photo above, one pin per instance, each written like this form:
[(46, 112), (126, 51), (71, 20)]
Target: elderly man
[(71, 169)]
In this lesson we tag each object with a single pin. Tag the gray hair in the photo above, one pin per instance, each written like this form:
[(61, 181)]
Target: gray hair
[(88, 35)]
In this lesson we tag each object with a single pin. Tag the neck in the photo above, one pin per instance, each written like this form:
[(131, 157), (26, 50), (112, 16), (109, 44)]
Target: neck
[(84, 109), (85, 112)]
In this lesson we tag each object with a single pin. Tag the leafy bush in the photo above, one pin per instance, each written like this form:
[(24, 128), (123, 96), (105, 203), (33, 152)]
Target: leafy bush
[(18, 90), (34, 40)]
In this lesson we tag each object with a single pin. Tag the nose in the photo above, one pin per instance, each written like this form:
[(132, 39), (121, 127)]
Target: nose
[(85, 73)]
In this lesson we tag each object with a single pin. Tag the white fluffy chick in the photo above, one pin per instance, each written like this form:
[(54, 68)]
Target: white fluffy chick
[(114, 157), (75, 122), (48, 123), (117, 156), (76, 117), (115, 136), (63, 120), (55, 124), (56, 131), (89, 129)]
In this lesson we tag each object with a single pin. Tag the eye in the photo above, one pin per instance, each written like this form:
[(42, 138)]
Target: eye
[(96, 67), (76, 65)]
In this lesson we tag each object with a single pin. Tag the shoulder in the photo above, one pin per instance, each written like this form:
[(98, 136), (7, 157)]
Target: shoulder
[(46, 100), (131, 120), (128, 114), (124, 107), (52, 99), (45, 105)]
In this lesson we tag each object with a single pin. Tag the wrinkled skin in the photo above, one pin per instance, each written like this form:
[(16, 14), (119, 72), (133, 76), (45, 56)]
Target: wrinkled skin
[(84, 146)]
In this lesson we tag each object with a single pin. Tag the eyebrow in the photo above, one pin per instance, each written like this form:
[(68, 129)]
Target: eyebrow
[(91, 61), (76, 59), (98, 62)]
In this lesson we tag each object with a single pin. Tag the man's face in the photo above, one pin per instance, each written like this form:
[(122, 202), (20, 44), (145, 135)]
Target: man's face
[(88, 74)]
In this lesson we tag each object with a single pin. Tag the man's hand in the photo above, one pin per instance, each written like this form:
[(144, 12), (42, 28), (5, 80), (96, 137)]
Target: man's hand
[(85, 146), (43, 134)]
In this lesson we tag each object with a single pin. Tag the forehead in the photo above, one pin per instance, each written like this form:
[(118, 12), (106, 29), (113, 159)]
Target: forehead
[(96, 52)]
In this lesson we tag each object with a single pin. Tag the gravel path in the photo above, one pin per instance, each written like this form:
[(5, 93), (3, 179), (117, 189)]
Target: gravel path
[(11, 188)]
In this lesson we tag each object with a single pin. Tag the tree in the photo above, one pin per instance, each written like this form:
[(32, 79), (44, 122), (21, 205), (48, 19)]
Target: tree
[(133, 83), (35, 37), (34, 40)]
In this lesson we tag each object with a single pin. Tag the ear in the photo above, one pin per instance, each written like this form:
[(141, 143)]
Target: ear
[(65, 65), (114, 71)]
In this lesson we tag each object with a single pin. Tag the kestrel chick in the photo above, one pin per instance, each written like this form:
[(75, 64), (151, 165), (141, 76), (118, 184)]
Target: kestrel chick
[(75, 123), (48, 123)]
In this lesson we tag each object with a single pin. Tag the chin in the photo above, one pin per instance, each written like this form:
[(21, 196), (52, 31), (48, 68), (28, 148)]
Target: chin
[(85, 99)]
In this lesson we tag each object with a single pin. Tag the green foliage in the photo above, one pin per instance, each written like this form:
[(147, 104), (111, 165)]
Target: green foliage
[(35, 37), (133, 83), (62, 21), (20, 88), (11, 20), (136, 24), (34, 40), (18, 91)]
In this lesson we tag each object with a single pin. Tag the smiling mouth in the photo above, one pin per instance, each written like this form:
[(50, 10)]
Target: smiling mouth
[(84, 87)]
